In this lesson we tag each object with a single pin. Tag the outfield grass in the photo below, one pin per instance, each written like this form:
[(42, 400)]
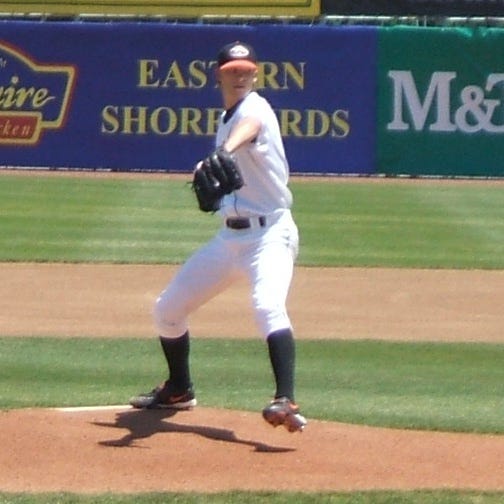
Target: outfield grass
[(98, 220), (148, 220), (457, 387), (401, 225)]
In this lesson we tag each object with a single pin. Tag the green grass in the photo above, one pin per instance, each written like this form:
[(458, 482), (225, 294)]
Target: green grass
[(401, 225), (148, 220), (419, 497), (96, 220), (457, 387), (449, 387)]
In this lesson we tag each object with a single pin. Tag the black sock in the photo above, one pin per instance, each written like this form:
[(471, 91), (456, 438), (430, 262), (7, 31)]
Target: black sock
[(282, 355), (176, 351)]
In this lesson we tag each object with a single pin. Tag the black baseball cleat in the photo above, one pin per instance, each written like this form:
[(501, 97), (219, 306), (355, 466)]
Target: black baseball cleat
[(282, 411), (165, 396)]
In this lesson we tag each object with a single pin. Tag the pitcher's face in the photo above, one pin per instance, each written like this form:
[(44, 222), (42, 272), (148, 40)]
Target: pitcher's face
[(236, 83)]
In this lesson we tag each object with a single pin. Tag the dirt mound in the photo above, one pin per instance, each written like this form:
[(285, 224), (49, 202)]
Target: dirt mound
[(208, 450)]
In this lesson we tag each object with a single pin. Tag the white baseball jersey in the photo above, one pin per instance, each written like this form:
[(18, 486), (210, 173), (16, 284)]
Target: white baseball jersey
[(264, 253), (263, 164)]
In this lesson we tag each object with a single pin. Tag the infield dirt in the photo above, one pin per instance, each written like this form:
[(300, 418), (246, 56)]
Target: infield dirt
[(208, 450)]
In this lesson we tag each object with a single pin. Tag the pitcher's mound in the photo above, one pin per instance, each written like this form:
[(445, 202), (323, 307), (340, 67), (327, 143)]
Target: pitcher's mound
[(207, 450)]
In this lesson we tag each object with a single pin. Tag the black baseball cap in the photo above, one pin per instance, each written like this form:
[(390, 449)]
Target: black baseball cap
[(237, 55)]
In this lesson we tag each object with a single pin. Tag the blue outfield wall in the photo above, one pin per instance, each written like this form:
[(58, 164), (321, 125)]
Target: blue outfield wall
[(349, 99), (143, 96)]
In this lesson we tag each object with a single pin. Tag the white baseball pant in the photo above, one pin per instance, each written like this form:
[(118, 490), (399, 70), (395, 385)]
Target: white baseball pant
[(264, 255)]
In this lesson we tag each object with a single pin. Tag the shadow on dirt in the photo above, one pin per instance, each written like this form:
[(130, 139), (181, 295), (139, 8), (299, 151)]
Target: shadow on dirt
[(143, 424)]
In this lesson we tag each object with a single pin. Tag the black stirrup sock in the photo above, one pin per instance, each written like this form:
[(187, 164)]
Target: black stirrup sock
[(282, 355), (176, 351)]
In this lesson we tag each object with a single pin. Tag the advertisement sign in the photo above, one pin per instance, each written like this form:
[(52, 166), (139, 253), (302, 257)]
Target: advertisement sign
[(172, 8), (139, 96), (441, 101)]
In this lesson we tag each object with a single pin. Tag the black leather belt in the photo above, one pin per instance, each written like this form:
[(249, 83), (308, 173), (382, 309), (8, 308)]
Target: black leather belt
[(245, 222)]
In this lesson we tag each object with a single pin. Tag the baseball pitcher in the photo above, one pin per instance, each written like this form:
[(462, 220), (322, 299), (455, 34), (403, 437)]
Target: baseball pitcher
[(244, 182)]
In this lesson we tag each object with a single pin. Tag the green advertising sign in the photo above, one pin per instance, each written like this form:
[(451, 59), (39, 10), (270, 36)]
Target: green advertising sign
[(441, 101)]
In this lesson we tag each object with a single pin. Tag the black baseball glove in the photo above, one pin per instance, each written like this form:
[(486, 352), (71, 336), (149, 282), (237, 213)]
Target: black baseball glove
[(215, 176)]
